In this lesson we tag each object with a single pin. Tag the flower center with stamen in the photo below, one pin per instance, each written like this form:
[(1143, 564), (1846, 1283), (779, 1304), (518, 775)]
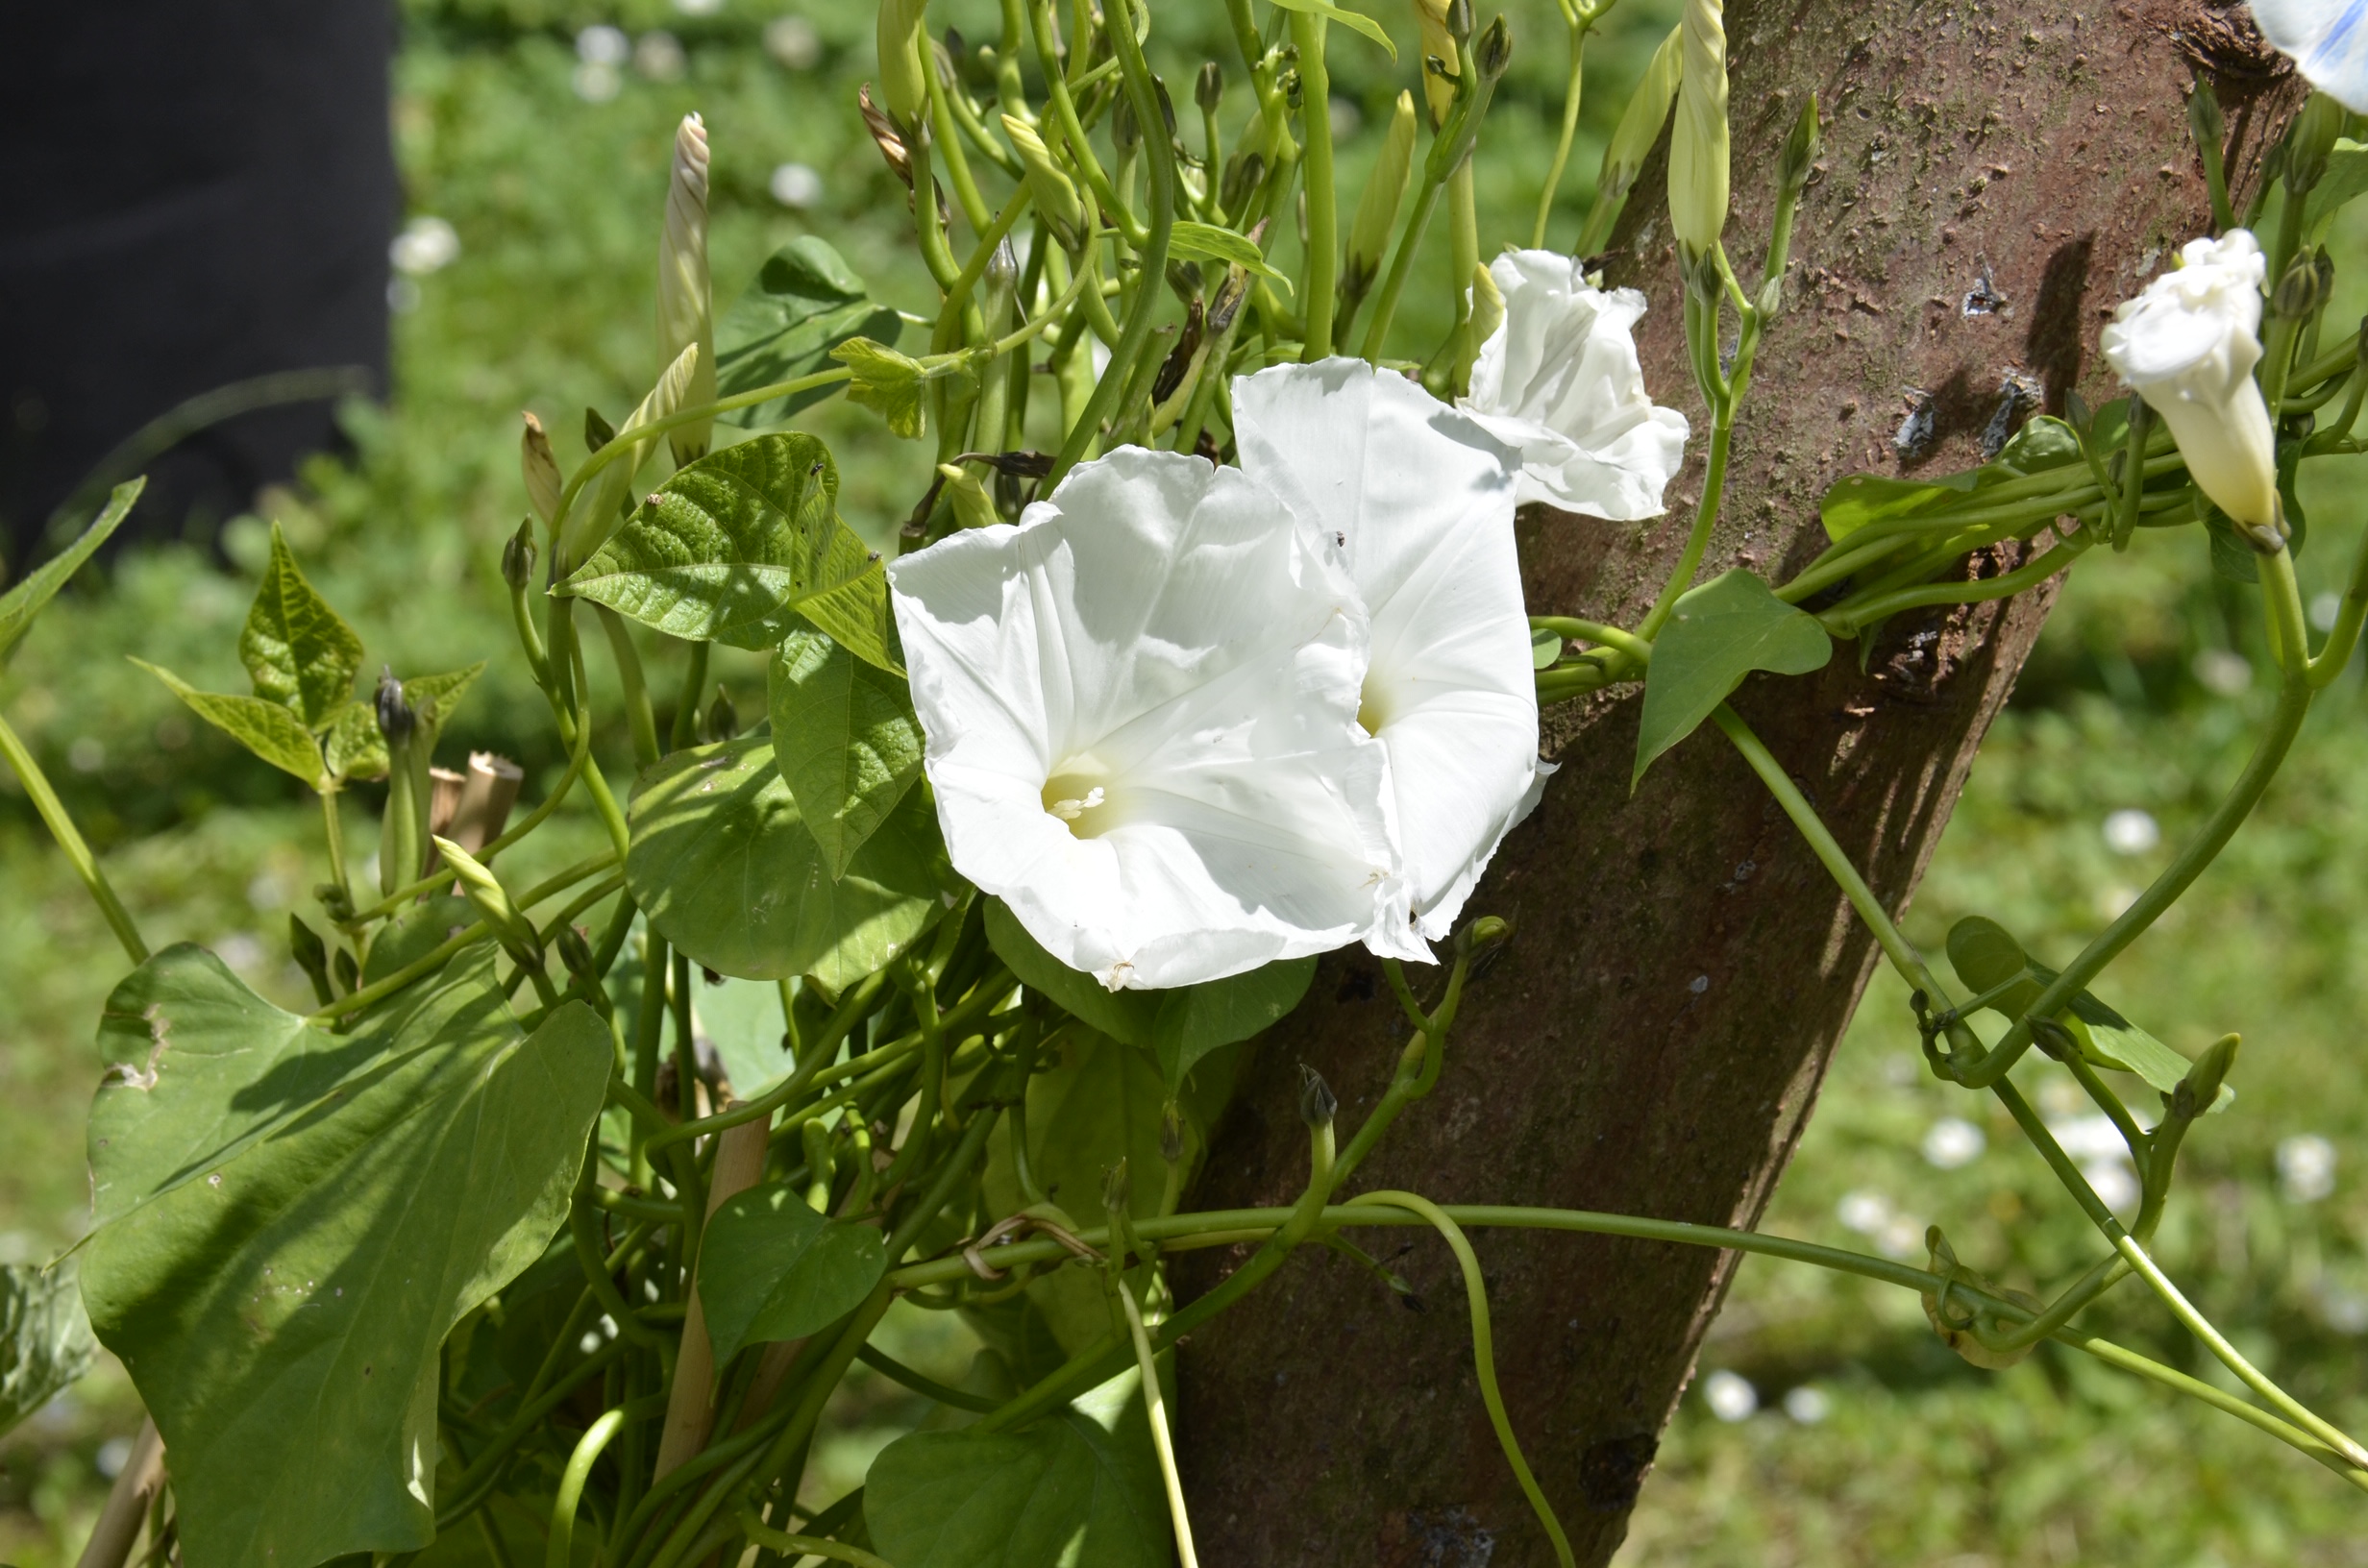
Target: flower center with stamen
[(1076, 796)]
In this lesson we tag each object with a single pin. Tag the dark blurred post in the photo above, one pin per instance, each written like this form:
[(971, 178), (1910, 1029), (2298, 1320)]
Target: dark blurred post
[(193, 193)]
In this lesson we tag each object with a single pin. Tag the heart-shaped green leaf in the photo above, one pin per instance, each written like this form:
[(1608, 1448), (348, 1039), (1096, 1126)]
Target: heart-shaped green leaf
[(804, 301), (291, 1222), (1717, 634), (299, 653), (724, 866), (264, 727), (769, 1268), (844, 736)]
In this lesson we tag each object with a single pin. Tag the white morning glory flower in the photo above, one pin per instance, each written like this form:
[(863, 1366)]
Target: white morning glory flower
[(2326, 41), (1559, 380), (1418, 500), (2187, 345), (1141, 709)]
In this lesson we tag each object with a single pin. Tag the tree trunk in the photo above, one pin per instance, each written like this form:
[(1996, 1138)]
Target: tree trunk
[(1994, 180)]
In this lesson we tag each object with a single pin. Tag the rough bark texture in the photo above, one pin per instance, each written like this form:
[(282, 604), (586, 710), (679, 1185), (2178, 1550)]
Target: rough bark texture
[(1995, 178)]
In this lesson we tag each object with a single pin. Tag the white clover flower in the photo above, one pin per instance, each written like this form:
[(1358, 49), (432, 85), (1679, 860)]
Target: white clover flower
[(1560, 379), (2326, 42), (1417, 498), (2187, 345), (1141, 709)]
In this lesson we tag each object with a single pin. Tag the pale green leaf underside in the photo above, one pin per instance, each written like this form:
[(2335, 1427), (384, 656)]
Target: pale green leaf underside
[(724, 866), (846, 738), (45, 1343), (262, 726), (886, 382), (1717, 634), (1205, 242), (295, 1219), (26, 598)]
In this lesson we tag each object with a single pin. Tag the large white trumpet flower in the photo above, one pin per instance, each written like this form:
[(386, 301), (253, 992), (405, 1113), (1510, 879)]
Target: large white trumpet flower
[(1418, 500), (1141, 709), (1559, 380)]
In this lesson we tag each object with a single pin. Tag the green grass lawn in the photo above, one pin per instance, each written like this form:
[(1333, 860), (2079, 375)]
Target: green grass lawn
[(1871, 1443)]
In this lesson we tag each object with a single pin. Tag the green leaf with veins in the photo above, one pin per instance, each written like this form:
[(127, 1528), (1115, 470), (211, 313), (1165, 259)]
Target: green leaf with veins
[(1717, 634), (292, 1221), (844, 736), (299, 653), (722, 864), (46, 1343), (31, 593), (1082, 1488), (1177, 1026), (1987, 958), (886, 382), (733, 548), (435, 699), (264, 727), (355, 748), (770, 1269), (804, 301)]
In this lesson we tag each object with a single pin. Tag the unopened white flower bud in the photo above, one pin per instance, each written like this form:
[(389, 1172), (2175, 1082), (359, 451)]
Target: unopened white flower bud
[(540, 469), (903, 89), (2187, 345), (685, 301), (1698, 145), (1385, 189)]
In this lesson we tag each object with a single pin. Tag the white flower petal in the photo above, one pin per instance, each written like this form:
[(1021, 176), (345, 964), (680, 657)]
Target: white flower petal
[(1158, 631), (1418, 498), (2326, 39), (2187, 345), (1560, 379)]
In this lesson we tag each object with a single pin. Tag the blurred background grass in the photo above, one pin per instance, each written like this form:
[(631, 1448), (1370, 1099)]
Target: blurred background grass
[(1828, 1425)]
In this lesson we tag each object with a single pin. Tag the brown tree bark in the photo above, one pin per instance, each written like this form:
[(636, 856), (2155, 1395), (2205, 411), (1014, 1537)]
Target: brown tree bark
[(1994, 179)]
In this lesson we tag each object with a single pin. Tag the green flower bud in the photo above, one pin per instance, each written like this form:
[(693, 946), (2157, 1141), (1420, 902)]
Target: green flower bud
[(1438, 43), (1209, 90), (1053, 193), (492, 902), (540, 470), (518, 557), (2297, 294), (311, 955), (972, 507), (1800, 154), (1244, 172), (1698, 147), (598, 432), (902, 85), (1126, 135), (2309, 142), (397, 719), (2205, 120), (1487, 305), (1171, 1133), (1317, 1102), (1117, 1191), (685, 302), (1639, 124), (348, 971), (576, 954), (1384, 191), (723, 717), (2201, 1090), (1494, 51)]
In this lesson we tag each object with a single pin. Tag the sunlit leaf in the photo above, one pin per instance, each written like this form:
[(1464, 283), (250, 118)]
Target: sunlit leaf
[(264, 727), (299, 653), (1355, 21), (46, 1343), (292, 1221), (804, 301)]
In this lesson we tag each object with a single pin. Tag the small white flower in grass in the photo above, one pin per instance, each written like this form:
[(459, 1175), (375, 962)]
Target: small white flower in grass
[(1729, 1395), (2187, 345), (1416, 501), (1953, 1141), (1141, 708), (2305, 1168), (1560, 379)]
